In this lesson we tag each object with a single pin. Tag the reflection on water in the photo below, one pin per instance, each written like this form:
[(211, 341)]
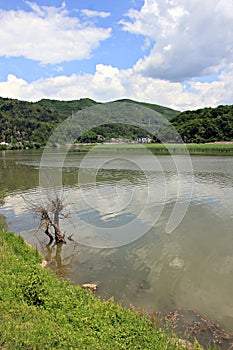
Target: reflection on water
[(190, 268)]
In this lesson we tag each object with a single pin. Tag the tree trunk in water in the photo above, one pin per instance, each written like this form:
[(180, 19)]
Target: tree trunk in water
[(49, 234), (57, 232), (58, 235), (47, 230), (56, 218)]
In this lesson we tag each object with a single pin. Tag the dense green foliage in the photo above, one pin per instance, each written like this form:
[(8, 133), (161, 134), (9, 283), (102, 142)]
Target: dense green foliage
[(165, 111), (66, 108), (116, 130), (26, 124), (38, 311), (205, 125)]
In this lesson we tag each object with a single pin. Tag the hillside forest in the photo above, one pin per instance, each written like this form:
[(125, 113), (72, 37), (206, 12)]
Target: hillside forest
[(29, 124)]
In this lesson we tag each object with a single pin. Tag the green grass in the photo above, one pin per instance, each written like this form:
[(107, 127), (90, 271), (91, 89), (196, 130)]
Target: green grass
[(215, 148), (40, 311), (193, 148), (163, 149)]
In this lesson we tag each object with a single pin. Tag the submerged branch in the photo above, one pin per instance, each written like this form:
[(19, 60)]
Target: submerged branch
[(50, 223)]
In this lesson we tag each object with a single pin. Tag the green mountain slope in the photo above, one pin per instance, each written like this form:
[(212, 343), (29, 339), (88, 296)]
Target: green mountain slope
[(167, 112), (22, 121), (25, 123), (206, 124), (66, 108), (29, 124)]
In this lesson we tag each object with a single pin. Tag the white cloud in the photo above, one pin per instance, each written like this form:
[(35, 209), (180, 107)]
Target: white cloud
[(58, 69), (36, 8), (146, 44), (90, 13), (110, 83), (192, 38), (48, 35)]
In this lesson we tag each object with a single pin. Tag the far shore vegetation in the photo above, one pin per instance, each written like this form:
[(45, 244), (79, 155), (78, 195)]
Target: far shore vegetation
[(163, 149), (27, 125)]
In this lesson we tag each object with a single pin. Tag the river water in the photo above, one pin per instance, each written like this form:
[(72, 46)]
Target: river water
[(140, 264)]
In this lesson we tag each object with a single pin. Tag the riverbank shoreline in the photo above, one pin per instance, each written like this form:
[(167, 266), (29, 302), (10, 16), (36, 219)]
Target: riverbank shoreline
[(40, 311), (215, 148), (30, 285)]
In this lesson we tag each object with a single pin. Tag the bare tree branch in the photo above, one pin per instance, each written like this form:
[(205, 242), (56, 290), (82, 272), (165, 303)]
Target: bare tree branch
[(50, 211)]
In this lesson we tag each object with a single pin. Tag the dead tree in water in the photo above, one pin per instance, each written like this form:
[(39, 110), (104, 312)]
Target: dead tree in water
[(50, 213), (49, 223)]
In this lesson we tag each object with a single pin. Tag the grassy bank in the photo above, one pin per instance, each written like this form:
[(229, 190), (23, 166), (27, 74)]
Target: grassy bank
[(210, 149), (39, 311), (192, 148), (163, 149)]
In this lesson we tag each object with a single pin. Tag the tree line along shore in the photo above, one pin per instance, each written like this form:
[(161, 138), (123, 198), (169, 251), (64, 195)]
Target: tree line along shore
[(29, 124)]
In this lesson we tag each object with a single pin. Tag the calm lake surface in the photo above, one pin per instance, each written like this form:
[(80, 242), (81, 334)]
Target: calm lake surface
[(192, 267)]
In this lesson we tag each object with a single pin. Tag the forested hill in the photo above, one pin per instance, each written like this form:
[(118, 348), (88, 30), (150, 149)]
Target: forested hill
[(66, 108), (167, 112), (205, 125), (29, 124)]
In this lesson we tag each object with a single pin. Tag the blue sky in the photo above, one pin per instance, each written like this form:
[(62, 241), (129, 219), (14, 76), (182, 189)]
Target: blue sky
[(161, 51)]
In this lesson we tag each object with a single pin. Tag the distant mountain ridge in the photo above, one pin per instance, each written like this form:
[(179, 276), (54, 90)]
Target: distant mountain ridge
[(166, 111), (66, 108), (30, 124)]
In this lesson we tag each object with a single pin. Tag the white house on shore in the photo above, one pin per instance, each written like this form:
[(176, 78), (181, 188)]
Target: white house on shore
[(144, 140)]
